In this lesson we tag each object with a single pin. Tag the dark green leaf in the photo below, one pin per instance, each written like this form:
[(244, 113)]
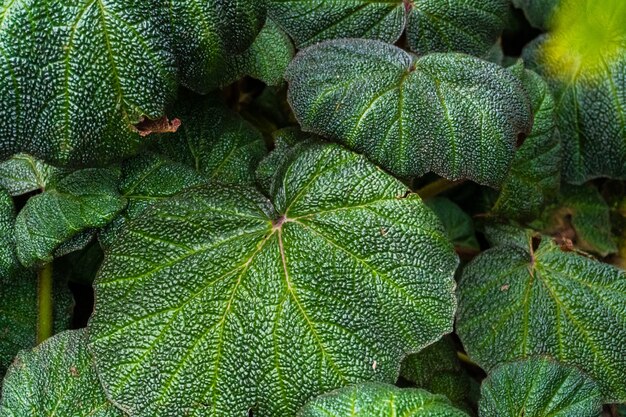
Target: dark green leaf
[(381, 400), (458, 224), (252, 304), (538, 12), (55, 379), (8, 258), (539, 387), (452, 114), (77, 202), (77, 75), (23, 174), (517, 302)]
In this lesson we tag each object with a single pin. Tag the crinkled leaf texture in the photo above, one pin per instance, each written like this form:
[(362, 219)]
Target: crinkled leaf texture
[(219, 301), (469, 26), (55, 379), (535, 174), (76, 202), (8, 258), (517, 301), (452, 114), (539, 387), (23, 174), (76, 75), (380, 400)]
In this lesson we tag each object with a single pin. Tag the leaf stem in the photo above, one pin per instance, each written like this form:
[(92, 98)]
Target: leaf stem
[(464, 358), (45, 303), (437, 187)]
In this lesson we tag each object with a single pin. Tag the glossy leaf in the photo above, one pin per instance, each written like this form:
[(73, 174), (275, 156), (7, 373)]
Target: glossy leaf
[(535, 174), (56, 378), (539, 388), (258, 305), (452, 114), (206, 32), (379, 400), (517, 302), (77, 202), (23, 174), (431, 25), (18, 313), (77, 75), (213, 140)]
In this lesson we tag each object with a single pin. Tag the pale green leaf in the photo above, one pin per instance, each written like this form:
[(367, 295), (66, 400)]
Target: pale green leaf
[(219, 301), (380, 400), (77, 75), (539, 387), (451, 114), (516, 302), (55, 379)]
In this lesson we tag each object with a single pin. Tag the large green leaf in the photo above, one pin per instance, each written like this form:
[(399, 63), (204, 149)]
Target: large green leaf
[(452, 114), (539, 387), (535, 174), (72, 205), (55, 379), (380, 400), (8, 258), (213, 140), (77, 75), (469, 26), (219, 301), (516, 302), (207, 32), (583, 59), (18, 313), (22, 174)]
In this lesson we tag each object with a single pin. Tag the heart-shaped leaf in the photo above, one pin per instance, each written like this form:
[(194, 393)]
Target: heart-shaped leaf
[(539, 387), (381, 400), (55, 379), (77, 75), (516, 302), (452, 114), (252, 304)]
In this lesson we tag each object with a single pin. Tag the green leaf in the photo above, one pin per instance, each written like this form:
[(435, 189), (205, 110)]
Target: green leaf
[(537, 12), (381, 400), (23, 174), (8, 258), (539, 387), (77, 202), (266, 59), (583, 59), (535, 173), (583, 216), (469, 26), (77, 75), (213, 140), (517, 302), (458, 224), (18, 313), (451, 114), (431, 25), (206, 33), (219, 301), (56, 378), (81, 266)]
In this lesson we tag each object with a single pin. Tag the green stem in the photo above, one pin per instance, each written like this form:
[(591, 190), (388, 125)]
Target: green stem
[(45, 303), (437, 187), (464, 358)]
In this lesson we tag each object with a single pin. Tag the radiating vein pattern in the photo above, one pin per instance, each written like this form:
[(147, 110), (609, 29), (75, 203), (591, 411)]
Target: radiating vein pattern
[(252, 304)]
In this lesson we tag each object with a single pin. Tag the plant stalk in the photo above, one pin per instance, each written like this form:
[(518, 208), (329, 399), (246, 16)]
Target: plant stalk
[(45, 303), (437, 187)]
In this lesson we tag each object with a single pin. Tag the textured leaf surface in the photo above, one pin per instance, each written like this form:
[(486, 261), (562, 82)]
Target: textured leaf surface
[(458, 224), (81, 200), (22, 174), (469, 26), (451, 114), (55, 379), (8, 258), (535, 173), (206, 33), (18, 313), (78, 74), (214, 140), (516, 302), (381, 400), (252, 304), (538, 12), (584, 60), (539, 388)]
